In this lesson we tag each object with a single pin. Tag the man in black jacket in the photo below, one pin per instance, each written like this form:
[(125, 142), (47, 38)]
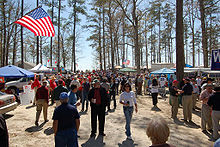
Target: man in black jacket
[(98, 100), (214, 102), (3, 132)]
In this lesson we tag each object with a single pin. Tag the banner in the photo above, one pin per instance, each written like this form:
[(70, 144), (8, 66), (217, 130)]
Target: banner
[(215, 60), (27, 97)]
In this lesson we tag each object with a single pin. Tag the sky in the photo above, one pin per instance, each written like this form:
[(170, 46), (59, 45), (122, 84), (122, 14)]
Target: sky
[(85, 57)]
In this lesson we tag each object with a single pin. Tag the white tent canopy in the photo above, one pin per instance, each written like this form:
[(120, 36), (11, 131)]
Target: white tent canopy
[(40, 68)]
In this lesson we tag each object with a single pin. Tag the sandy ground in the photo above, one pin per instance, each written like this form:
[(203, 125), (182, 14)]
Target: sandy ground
[(23, 132)]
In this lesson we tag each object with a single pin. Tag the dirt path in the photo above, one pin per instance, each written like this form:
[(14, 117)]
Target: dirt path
[(23, 133)]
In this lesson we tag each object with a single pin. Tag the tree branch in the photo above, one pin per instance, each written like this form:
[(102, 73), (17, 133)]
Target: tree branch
[(124, 12)]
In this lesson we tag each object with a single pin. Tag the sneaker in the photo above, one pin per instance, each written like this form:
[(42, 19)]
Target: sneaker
[(36, 123), (46, 121), (102, 134), (129, 137), (92, 135)]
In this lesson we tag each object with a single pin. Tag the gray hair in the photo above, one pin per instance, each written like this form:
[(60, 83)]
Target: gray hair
[(158, 131)]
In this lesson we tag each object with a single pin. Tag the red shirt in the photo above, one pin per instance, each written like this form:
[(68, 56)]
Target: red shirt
[(42, 93), (36, 83), (97, 96), (53, 84), (80, 88)]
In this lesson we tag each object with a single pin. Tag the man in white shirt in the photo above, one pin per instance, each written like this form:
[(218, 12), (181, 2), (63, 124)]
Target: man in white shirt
[(162, 81)]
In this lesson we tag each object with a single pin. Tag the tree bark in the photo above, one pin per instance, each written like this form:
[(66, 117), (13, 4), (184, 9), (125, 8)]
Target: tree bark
[(103, 37), (51, 39), (204, 33), (38, 41), (180, 62), (14, 46), (22, 47), (58, 49), (73, 63)]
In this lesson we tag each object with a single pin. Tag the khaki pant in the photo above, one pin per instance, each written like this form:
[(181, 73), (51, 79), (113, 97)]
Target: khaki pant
[(58, 103), (41, 103), (187, 107), (206, 117), (194, 98), (175, 104), (35, 91), (215, 122)]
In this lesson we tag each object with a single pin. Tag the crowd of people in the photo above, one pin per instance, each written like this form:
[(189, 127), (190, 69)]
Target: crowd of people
[(100, 88)]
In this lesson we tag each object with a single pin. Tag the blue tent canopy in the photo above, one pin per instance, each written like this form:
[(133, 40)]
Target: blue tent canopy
[(187, 65), (163, 71), (15, 72)]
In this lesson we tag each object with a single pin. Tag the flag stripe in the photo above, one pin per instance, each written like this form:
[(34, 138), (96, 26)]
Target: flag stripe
[(24, 24), (25, 19), (41, 25), (49, 25), (42, 31), (35, 23), (38, 22)]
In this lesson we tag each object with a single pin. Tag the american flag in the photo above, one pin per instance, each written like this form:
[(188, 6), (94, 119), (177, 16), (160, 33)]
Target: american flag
[(38, 22)]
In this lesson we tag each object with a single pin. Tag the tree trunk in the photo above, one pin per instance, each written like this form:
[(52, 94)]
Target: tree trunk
[(4, 31), (103, 37), (179, 41), (111, 38), (159, 49), (22, 48), (14, 46), (146, 41), (100, 41), (51, 38), (41, 48), (136, 41), (123, 38), (73, 64), (38, 41), (58, 49), (204, 33)]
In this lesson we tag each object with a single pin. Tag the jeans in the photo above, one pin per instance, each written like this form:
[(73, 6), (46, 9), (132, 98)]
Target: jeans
[(66, 138), (128, 111), (154, 98), (85, 98)]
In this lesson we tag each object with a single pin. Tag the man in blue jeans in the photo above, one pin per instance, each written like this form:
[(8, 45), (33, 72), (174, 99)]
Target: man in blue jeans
[(66, 123)]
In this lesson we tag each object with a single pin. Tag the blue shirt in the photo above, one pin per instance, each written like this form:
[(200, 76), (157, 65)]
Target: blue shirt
[(66, 115), (72, 98)]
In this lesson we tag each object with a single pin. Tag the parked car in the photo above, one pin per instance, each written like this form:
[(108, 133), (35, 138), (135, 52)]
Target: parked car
[(14, 86), (7, 102)]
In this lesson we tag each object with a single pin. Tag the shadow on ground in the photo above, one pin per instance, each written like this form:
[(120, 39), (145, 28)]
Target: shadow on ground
[(127, 143), (92, 142), (155, 108), (7, 116), (48, 131), (35, 128), (31, 106)]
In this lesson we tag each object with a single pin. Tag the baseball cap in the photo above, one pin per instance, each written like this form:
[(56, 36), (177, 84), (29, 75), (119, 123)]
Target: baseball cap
[(95, 81), (175, 81), (64, 95), (60, 81)]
